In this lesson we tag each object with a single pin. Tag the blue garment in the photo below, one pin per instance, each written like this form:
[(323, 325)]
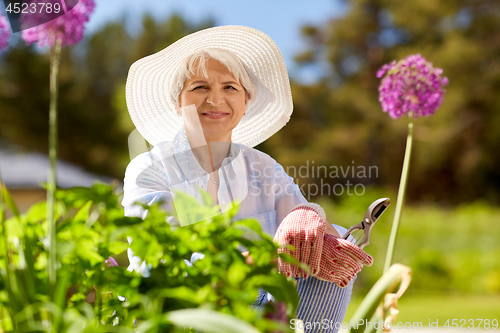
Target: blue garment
[(247, 177), (321, 303), (322, 300), (315, 306)]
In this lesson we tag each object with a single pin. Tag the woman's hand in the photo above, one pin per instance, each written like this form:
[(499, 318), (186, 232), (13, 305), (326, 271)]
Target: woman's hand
[(317, 244), (341, 260), (304, 229)]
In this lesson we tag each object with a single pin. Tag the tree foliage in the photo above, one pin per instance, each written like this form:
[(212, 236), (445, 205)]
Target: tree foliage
[(94, 122), (339, 120)]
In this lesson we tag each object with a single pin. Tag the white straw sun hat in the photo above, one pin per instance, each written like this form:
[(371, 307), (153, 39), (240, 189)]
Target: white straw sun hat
[(148, 82)]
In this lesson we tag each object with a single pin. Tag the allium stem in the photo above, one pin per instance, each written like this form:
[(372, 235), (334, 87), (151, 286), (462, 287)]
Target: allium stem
[(54, 71), (401, 194)]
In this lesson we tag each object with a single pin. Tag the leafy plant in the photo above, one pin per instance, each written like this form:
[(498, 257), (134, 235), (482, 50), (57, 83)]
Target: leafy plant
[(215, 292)]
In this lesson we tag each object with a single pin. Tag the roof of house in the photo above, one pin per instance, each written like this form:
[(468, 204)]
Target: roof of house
[(28, 170)]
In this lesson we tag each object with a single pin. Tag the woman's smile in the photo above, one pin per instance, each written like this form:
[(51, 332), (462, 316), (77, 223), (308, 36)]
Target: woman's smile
[(215, 114)]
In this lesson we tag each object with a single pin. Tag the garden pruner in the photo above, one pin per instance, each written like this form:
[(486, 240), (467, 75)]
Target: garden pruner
[(372, 214)]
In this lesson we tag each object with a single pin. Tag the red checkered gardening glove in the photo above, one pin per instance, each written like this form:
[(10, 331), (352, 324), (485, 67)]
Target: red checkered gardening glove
[(341, 260), (303, 228), (329, 258)]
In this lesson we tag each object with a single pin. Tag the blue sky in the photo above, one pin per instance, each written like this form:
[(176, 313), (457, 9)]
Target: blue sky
[(280, 19)]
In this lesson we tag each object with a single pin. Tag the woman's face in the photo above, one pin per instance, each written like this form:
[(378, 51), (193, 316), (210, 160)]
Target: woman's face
[(220, 101)]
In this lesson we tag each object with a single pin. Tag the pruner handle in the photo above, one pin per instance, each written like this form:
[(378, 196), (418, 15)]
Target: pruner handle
[(359, 226), (363, 225), (373, 213)]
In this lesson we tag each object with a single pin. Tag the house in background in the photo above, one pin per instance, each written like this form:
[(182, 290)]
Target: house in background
[(24, 172)]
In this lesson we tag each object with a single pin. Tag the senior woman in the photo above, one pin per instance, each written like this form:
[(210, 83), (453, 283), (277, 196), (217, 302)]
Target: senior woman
[(203, 102)]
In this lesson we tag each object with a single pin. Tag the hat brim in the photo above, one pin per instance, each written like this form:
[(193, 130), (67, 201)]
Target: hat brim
[(148, 82)]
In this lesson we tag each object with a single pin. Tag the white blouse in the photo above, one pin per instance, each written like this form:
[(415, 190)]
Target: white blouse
[(247, 176)]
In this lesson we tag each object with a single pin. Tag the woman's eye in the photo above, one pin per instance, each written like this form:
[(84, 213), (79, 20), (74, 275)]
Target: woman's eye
[(199, 87), (230, 88)]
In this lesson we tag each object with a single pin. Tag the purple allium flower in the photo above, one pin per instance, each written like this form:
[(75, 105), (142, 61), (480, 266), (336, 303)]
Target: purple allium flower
[(4, 32), (411, 84), (68, 27)]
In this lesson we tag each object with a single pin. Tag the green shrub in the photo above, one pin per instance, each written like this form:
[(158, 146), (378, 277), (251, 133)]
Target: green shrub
[(91, 226)]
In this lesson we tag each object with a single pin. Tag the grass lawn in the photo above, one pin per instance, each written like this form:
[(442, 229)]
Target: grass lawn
[(441, 308)]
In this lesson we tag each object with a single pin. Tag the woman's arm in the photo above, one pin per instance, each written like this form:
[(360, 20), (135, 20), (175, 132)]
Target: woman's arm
[(290, 197), (287, 193), (145, 183)]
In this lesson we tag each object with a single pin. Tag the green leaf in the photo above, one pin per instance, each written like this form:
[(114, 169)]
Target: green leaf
[(85, 250), (37, 212), (83, 214), (41, 261), (188, 209), (237, 272), (182, 293), (21, 290), (246, 224), (209, 321), (63, 248), (59, 296), (78, 297), (30, 268), (117, 247), (127, 221), (14, 227), (9, 202), (229, 214)]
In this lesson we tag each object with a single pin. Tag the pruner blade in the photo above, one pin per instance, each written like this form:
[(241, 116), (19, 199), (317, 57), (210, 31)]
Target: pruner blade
[(372, 215)]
